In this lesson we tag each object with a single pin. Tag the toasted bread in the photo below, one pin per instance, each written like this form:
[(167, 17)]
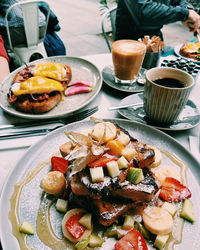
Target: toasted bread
[(38, 107)]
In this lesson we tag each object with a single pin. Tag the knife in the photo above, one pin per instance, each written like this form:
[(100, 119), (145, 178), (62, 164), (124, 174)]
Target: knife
[(71, 118), (35, 132)]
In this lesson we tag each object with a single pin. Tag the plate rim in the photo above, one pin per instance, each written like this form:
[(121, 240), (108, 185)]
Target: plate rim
[(158, 127), (176, 51), (35, 149), (45, 115), (119, 89)]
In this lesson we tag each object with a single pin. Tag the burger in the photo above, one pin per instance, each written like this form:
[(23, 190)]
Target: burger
[(191, 50), (39, 88)]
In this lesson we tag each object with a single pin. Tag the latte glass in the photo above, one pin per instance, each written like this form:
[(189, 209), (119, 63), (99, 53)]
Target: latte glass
[(127, 58)]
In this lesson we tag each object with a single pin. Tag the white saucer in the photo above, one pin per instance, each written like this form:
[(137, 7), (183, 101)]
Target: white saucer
[(108, 77), (189, 117)]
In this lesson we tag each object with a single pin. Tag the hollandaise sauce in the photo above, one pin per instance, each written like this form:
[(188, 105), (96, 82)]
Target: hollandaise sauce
[(36, 85), (52, 70)]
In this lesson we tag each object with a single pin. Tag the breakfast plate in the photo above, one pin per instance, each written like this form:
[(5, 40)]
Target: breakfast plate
[(189, 117), (35, 163), (177, 52), (108, 77), (82, 70)]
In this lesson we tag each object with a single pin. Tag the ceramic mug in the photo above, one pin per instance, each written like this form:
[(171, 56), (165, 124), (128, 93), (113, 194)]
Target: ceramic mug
[(127, 58), (166, 93)]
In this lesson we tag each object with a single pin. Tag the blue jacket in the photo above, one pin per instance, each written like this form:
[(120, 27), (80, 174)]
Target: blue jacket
[(136, 18)]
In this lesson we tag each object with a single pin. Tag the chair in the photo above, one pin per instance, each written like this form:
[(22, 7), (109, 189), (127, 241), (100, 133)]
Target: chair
[(30, 15), (109, 17)]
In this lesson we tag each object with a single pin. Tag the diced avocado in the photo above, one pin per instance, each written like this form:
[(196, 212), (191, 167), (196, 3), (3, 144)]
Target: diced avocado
[(146, 234), (111, 231), (86, 221), (81, 245), (170, 208), (26, 228), (128, 222), (97, 174), (135, 175), (160, 241), (188, 211), (128, 153), (61, 205), (113, 168), (122, 162), (95, 240)]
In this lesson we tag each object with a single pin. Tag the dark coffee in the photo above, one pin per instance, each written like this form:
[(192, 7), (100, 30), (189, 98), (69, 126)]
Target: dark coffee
[(169, 82)]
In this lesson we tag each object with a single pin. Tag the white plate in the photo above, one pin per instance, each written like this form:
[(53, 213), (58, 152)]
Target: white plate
[(43, 150), (81, 70), (177, 52)]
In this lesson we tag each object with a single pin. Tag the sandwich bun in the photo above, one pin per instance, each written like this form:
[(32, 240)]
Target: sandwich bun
[(39, 88), (191, 50)]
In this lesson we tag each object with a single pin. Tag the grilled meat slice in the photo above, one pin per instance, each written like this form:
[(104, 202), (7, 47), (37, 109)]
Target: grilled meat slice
[(144, 156), (143, 191), (81, 184), (77, 187), (107, 211)]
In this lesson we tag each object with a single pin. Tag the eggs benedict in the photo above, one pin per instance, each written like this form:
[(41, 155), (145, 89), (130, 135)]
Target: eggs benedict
[(39, 88)]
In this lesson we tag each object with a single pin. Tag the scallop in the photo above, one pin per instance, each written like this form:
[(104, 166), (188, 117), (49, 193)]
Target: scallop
[(53, 182)]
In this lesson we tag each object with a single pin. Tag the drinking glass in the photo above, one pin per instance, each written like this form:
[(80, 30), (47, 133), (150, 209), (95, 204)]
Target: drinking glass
[(127, 58)]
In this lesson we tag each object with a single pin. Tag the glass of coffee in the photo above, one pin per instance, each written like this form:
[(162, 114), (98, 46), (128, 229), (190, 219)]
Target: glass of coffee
[(127, 58), (166, 93)]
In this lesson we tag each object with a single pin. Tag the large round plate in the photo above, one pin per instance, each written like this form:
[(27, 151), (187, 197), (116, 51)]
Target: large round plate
[(108, 78), (188, 118), (81, 70), (177, 52), (44, 149)]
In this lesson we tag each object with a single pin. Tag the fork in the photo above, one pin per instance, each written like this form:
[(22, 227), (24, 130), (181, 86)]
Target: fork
[(24, 133), (71, 118)]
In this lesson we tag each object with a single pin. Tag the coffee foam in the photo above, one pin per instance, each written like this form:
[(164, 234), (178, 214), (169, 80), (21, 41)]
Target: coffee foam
[(125, 46)]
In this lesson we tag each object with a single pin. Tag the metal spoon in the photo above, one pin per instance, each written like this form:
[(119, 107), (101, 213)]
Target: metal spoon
[(125, 106)]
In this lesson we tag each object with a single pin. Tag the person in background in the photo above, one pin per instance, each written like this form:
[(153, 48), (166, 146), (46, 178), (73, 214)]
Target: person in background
[(137, 18), (4, 61), (16, 24), (52, 42)]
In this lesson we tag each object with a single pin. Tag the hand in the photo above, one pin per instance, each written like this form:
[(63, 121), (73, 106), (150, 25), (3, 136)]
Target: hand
[(193, 21)]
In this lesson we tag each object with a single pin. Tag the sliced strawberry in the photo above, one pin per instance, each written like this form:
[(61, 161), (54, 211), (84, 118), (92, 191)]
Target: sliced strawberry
[(133, 240), (59, 164), (74, 227), (101, 162), (173, 190)]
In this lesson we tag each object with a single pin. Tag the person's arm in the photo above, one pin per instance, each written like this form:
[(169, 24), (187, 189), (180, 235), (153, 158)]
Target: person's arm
[(4, 68), (183, 3), (4, 59), (156, 13)]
